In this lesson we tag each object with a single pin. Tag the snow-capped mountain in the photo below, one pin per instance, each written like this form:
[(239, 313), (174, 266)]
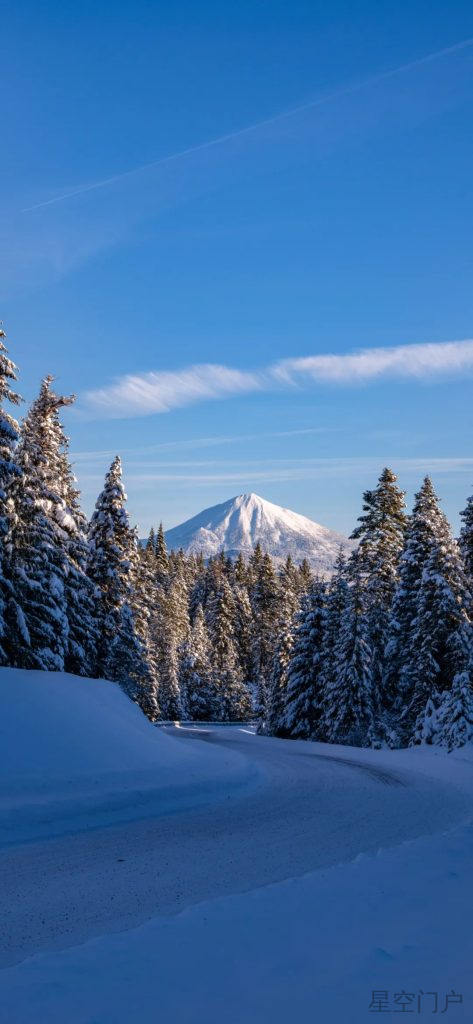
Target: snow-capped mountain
[(238, 524)]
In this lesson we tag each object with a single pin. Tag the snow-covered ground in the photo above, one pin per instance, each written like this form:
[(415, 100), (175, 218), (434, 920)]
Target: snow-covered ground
[(299, 881)]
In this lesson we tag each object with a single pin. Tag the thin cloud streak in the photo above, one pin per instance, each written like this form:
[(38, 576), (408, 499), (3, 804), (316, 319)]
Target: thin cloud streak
[(162, 391), (256, 126), (319, 469), (203, 442), (418, 361)]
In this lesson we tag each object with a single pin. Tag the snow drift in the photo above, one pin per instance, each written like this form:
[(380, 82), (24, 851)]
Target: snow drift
[(76, 753)]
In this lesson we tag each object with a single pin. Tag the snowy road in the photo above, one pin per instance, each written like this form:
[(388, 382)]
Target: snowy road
[(306, 807)]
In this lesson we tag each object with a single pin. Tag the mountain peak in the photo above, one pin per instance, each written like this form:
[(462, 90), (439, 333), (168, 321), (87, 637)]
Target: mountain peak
[(236, 525)]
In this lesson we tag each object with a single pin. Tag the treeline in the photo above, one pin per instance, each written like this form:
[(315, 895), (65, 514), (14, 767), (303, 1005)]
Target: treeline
[(380, 654)]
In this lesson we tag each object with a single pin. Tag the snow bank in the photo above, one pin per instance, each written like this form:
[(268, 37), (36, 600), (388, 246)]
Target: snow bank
[(76, 753)]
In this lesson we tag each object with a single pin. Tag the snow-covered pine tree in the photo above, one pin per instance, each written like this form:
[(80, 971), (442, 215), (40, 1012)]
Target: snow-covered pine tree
[(290, 587), (233, 700), (302, 697), (80, 591), (426, 525), (9, 471), (143, 601), (454, 718), (151, 543), (380, 533), (38, 621), (349, 716), (240, 571), (196, 679), (441, 633), (162, 559), (264, 602), (172, 632), (243, 631), (120, 653), (337, 600), (466, 538), (306, 576), (198, 592), (274, 724)]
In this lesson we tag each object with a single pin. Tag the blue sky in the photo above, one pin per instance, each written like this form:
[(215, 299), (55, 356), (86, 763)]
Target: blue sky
[(333, 215)]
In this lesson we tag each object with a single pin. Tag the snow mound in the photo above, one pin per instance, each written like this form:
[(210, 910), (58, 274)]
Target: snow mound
[(76, 753), (238, 524)]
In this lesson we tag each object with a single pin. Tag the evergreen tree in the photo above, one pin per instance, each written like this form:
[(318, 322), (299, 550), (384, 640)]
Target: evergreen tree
[(441, 631), (243, 626), (150, 545), (231, 693), (454, 726), (9, 471), (173, 633), (338, 597), (240, 571), (264, 601), (143, 602), (120, 653), (38, 621), (80, 592), (162, 559), (274, 724), (306, 576), (426, 525), (196, 679), (302, 693), (348, 701), (381, 533), (466, 538), (290, 586)]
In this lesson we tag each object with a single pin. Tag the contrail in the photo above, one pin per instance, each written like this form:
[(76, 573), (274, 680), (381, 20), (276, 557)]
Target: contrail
[(239, 132)]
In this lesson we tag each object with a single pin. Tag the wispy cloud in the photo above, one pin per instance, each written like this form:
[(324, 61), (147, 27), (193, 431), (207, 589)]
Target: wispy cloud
[(162, 391), (256, 126), (202, 442), (256, 474), (419, 361)]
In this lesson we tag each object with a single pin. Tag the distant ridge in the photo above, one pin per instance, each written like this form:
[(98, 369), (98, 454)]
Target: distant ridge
[(238, 524)]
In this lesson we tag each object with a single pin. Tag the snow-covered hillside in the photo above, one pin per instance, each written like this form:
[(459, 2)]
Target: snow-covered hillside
[(238, 524)]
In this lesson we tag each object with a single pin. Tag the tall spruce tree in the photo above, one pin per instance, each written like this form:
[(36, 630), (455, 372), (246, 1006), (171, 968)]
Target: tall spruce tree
[(143, 602), (337, 600), (9, 471), (302, 697), (466, 538), (454, 718), (162, 559), (232, 696), (274, 723), (40, 563), (349, 712), (425, 526), (80, 592), (441, 632), (173, 628), (120, 652), (196, 679), (264, 602), (380, 533)]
